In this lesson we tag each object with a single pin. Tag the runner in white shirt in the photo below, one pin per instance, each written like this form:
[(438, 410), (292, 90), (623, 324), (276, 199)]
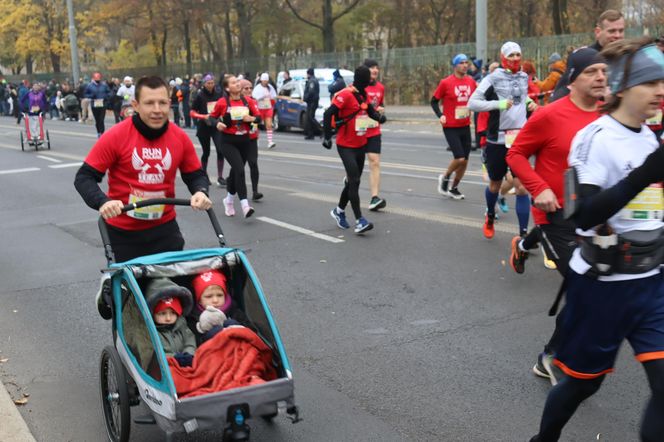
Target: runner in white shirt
[(265, 95), (615, 286)]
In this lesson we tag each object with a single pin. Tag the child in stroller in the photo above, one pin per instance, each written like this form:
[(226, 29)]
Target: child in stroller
[(70, 106)]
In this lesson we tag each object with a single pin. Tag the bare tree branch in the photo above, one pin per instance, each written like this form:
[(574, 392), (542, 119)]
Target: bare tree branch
[(315, 25), (345, 11)]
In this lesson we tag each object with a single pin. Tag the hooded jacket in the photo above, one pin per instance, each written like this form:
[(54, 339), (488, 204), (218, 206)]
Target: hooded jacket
[(556, 71), (177, 338)]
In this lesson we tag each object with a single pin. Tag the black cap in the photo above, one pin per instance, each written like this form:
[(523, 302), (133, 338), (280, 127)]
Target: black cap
[(581, 59), (310, 71), (362, 78), (370, 62)]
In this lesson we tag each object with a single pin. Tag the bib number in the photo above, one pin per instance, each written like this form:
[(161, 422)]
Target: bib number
[(649, 204), (210, 106), (461, 112), (146, 213), (265, 103), (510, 137), (35, 109), (99, 102), (238, 112), (362, 123), (656, 120)]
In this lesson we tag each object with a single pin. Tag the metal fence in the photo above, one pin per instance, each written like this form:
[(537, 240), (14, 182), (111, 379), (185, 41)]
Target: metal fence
[(410, 75)]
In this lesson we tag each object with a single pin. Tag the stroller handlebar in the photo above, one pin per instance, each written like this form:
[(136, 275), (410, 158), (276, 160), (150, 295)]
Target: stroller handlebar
[(103, 228)]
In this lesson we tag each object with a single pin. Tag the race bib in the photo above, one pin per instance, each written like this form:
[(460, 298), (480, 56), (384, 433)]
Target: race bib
[(98, 102), (146, 213), (649, 204), (238, 112), (461, 112), (35, 109), (656, 120), (265, 103), (510, 137), (210, 106), (363, 122)]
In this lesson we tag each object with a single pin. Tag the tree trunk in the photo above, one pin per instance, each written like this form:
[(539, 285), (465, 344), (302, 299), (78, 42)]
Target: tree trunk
[(328, 27), (28, 65), (229, 38), (153, 35), (555, 16), (187, 45), (164, 39)]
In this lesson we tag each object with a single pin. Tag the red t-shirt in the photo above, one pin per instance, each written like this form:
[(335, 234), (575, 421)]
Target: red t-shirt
[(140, 169), (548, 135), (351, 134), (375, 97), (455, 93), (237, 109)]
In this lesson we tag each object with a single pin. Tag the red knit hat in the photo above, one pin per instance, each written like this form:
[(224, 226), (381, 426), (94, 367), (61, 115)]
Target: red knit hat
[(173, 303), (205, 280)]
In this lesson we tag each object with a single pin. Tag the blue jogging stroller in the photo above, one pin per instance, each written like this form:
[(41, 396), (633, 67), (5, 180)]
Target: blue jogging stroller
[(135, 369)]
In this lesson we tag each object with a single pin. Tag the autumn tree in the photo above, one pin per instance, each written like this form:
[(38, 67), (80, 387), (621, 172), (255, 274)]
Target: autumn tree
[(327, 25)]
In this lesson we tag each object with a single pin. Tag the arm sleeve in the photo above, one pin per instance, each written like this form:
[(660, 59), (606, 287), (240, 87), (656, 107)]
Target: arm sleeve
[(327, 120), (596, 206), (531, 139), (256, 92), (273, 93), (189, 342), (478, 101), (375, 115), (87, 184), (435, 106)]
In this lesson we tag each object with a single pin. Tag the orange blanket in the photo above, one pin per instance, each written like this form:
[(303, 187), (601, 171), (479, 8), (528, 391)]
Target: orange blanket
[(234, 357)]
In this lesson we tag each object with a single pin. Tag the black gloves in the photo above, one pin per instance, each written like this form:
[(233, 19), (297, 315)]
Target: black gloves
[(327, 143), (184, 359)]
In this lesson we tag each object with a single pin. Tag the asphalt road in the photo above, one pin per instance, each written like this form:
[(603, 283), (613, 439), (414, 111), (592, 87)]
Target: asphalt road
[(418, 330)]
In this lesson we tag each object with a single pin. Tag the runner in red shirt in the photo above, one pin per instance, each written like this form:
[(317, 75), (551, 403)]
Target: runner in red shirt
[(375, 96), (252, 159), (142, 156), (266, 96), (548, 136), (353, 115), (236, 114), (455, 91)]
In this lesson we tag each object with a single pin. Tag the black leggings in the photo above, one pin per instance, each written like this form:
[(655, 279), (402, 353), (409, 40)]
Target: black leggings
[(567, 395), (99, 113), (236, 149), (353, 159), (252, 159), (204, 138)]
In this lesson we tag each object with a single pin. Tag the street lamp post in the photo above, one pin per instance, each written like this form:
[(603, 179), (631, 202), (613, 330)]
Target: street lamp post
[(481, 29), (73, 43)]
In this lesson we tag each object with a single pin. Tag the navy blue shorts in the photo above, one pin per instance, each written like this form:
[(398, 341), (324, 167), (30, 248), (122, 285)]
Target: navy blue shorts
[(599, 315), (496, 165)]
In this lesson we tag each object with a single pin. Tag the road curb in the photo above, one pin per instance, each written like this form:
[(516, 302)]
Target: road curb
[(13, 428)]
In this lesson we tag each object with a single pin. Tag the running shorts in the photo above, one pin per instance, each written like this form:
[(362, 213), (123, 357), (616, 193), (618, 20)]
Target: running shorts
[(266, 113), (598, 315), (373, 144), (459, 141), (496, 165)]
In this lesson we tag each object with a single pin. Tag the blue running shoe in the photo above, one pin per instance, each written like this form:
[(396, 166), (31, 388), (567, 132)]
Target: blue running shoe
[(502, 204), (340, 218), (362, 225)]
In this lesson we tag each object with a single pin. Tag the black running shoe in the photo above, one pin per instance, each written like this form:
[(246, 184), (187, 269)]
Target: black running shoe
[(545, 368), (256, 196), (221, 182), (454, 193), (377, 203)]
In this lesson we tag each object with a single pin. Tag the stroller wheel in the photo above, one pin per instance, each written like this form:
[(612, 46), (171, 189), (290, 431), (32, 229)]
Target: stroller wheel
[(22, 143), (114, 395), (48, 141)]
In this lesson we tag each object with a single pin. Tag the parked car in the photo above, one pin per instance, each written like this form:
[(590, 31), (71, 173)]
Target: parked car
[(290, 109)]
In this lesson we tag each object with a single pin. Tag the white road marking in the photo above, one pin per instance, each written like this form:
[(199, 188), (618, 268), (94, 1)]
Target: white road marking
[(301, 230), (27, 169), (475, 223), (61, 166), (43, 157)]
